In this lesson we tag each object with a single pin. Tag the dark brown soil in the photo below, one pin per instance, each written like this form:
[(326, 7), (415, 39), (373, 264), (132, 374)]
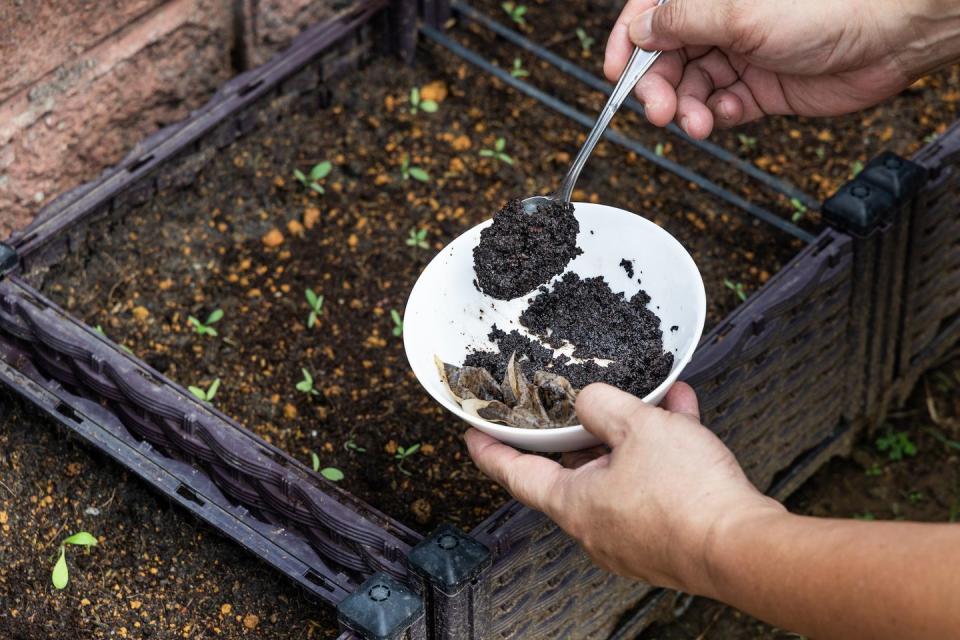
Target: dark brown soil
[(248, 239), (156, 572), (521, 251)]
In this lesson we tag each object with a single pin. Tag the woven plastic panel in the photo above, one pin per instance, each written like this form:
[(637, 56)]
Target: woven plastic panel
[(931, 320)]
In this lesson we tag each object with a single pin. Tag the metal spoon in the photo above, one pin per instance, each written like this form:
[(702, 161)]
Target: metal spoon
[(638, 65)]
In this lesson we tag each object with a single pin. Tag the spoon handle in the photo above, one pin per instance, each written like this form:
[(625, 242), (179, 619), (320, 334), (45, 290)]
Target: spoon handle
[(639, 63)]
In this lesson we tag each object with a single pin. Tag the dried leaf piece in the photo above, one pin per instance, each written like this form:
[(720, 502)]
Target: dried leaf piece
[(546, 402)]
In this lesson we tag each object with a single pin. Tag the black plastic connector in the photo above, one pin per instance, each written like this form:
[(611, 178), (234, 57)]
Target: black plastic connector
[(382, 609), (449, 564), (872, 199)]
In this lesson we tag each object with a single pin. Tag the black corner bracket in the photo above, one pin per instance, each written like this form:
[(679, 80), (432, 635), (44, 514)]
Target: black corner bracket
[(872, 199), (381, 609), (448, 559), (9, 259)]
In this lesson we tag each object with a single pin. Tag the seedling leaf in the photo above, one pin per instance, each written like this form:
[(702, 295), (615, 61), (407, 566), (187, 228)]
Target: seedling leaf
[(321, 171), (60, 575), (315, 460), (212, 391), (332, 474), (419, 174), (81, 539), (215, 316), (429, 106), (198, 392)]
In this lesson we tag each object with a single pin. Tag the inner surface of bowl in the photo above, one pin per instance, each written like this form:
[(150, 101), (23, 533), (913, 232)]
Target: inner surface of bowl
[(447, 316)]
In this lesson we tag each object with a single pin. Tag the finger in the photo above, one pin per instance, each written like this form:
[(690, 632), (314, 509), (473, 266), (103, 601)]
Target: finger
[(576, 459), (681, 398), (727, 108), (657, 89), (684, 22), (606, 412), (619, 46), (702, 78), (531, 479)]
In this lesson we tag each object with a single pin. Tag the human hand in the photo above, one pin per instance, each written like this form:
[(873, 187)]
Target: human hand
[(649, 508), (727, 62)]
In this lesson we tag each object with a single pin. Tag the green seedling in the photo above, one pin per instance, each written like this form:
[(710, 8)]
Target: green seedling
[(737, 288), (317, 173), (103, 333), (61, 575), (916, 497), (866, 515), (874, 470), (417, 173), (498, 152), (856, 168), (518, 71), (586, 42), (821, 153), (799, 210), (330, 473), (316, 307), (747, 143), (206, 395), (658, 149), (206, 328), (306, 385), (350, 445), (397, 322), (417, 105), (402, 454), (516, 12), (418, 239), (897, 444)]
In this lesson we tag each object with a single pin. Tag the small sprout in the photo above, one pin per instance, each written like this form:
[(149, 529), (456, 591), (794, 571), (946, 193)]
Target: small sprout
[(518, 71), (316, 307), (306, 385), (416, 104), (103, 333), (856, 168), (61, 574), (821, 153), (206, 395), (315, 461), (799, 210), (100, 330), (659, 149), (866, 515), (516, 12), (737, 288), (896, 444), (397, 322), (747, 143), (586, 42), (417, 173), (498, 152), (206, 328), (402, 454), (916, 497), (350, 445), (874, 470), (317, 173), (332, 474), (418, 239)]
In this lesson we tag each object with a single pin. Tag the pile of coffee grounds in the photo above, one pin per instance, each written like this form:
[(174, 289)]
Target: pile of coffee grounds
[(521, 251), (627, 267), (599, 323)]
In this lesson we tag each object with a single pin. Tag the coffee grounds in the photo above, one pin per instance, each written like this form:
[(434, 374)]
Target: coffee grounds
[(627, 266), (599, 323), (521, 251)]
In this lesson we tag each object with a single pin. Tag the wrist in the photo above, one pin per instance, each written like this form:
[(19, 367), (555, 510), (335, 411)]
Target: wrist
[(925, 35), (728, 544)]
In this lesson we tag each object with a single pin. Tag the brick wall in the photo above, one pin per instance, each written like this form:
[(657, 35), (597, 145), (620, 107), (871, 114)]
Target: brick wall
[(81, 81)]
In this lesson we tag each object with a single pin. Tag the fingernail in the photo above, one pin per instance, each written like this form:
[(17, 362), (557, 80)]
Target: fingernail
[(641, 29), (723, 109), (684, 121)]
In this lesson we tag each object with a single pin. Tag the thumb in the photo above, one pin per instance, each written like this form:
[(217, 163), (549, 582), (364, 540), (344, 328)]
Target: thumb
[(607, 412), (680, 23)]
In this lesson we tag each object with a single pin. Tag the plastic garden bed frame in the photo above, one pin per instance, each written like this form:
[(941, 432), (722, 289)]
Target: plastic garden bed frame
[(840, 334)]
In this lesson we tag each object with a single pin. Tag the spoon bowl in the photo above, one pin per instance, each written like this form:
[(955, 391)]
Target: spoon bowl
[(447, 316)]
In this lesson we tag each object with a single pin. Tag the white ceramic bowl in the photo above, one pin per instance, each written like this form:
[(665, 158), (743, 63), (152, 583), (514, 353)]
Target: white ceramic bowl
[(443, 315)]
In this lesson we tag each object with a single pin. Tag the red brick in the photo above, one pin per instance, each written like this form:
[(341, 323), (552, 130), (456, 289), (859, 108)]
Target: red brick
[(83, 116)]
